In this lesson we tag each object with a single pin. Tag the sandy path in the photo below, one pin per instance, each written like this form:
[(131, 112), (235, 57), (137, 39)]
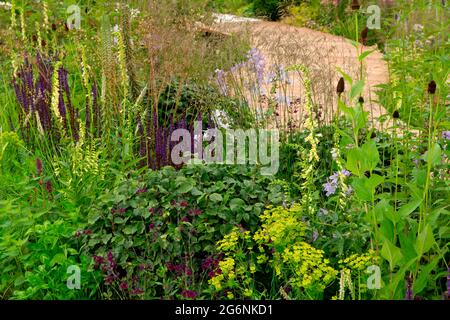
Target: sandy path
[(285, 45)]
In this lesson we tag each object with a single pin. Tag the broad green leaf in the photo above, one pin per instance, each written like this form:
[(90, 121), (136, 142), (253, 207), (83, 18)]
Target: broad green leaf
[(357, 88), (131, 229), (185, 187), (391, 253), (434, 155), (345, 76), (425, 240), (215, 197), (407, 242), (371, 155), (360, 188), (424, 276), (236, 204), (365, 54), (58, 259), (408, 208)]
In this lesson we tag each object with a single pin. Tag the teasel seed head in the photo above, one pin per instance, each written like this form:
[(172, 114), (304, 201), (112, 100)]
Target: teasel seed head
[(361, 100), (340, 86), (364, 34), (355, 5), (396, 114), (432, 87)]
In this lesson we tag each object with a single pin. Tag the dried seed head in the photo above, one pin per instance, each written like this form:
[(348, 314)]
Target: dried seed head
[(340, 86), (53, 27), (355, 5), (396, 115), (373, 135), (364, 34), (432, 87), (361, 100)]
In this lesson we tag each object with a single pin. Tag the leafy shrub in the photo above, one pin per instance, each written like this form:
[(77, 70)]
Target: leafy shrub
[(152, 233), (268, 8)]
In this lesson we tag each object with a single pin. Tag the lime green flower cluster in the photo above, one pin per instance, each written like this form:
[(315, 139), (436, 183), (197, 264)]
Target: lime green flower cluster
[(308, 266), (234, 276), (280, 225), (230, 242), (292, 260), (359, 262), (226, 277)]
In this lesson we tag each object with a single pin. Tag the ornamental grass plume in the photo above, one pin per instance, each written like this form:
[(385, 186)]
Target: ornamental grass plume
[(311, 157), (121, 56), (45, 14), (13, 22), (22, 24), (55, 97)]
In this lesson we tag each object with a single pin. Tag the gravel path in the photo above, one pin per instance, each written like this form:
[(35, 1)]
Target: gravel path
[(285, 45)]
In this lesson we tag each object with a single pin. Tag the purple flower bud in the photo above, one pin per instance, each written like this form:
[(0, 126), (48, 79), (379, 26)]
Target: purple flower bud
[(189, 294), (39, 166)]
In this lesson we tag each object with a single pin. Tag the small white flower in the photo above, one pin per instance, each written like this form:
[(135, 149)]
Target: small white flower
[(5, 5), (417, 27)]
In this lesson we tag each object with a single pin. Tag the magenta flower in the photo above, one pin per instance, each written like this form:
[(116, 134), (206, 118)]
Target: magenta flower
[(151, 226), (189, 294), (184, 203), (124, 286), (137, 291), (185, 219), (48, 186), (141, 191), (39, 166), (87, 231), (195, 212), (98, 260)]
